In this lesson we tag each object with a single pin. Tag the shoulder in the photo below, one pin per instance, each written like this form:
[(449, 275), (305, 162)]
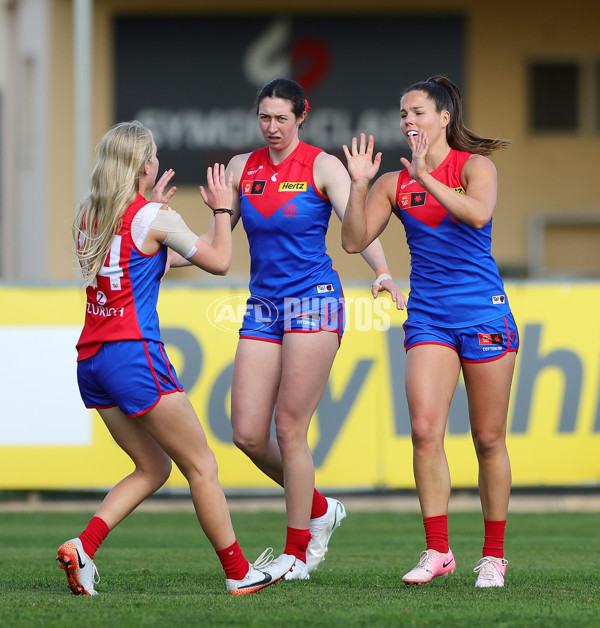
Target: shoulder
[(236, 164), (140, 208), (389, 181), (328, 168), (463, 158), (478, 164), (151, 212), (308, 150), (325, 160), (152, 206), (384, 189), (238, 161)]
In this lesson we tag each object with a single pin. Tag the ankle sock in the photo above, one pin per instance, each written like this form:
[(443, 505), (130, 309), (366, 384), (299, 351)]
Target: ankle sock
[(493, 542), (296, 543), (233, 561), (436, 533), (91, 538), (319, 505)]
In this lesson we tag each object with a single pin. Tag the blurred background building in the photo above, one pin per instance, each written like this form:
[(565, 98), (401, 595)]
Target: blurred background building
[(190, 69)]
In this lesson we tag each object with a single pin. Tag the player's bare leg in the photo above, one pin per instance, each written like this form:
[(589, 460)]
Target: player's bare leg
[(488, 388), (174, 425), (256, 377), (307, 359), (152, 466), (432, 373)]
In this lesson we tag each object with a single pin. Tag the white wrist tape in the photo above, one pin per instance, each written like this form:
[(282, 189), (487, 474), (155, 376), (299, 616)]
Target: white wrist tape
[(180, 237), (381, 278)]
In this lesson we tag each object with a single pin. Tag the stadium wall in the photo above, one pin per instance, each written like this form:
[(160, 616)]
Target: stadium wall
[(360, 433), (498, 46)]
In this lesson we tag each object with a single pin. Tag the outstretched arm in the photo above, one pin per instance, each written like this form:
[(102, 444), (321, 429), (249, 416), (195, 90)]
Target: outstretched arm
[(332, 179), (366, 214), (159, 195), (170, 230), (235, 168), (215, 257)]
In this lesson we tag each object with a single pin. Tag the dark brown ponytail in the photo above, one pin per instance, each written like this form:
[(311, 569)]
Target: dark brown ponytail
[(446, 96)]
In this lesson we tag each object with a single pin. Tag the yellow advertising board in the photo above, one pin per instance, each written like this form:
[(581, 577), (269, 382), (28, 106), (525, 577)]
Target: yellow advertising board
[(360, 435)]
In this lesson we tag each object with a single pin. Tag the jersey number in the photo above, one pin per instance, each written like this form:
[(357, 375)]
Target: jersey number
[(111, 268)]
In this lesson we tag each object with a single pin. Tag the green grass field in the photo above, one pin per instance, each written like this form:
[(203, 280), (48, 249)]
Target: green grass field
[(158, 569)]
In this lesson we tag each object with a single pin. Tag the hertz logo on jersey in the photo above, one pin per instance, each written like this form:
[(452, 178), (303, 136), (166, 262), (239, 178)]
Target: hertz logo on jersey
[(293, 186)]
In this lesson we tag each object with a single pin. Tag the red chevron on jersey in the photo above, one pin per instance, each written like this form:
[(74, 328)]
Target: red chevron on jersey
[(268, 210), (430, 216)]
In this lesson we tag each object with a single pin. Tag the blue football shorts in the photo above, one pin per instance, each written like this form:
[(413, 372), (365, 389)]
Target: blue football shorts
[(265, 320), (478, 343), (130, 374)]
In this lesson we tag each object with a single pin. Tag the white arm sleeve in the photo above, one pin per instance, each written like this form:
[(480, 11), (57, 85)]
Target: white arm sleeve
[(180, 237)]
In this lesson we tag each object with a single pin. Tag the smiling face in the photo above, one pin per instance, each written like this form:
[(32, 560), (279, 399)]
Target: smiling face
[(418, 112), (278, 124)]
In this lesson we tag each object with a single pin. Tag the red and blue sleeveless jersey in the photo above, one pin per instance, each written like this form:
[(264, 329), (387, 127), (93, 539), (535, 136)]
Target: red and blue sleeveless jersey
[(454, 280), (121, 304), (286, 220)]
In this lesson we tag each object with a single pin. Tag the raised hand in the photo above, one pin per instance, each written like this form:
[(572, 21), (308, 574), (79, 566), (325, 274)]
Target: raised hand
[(362, 166), (158, 193), (419, 145), (220, 192)]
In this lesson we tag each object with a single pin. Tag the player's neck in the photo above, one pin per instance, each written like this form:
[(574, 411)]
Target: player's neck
[(436, 156), (279, 156)]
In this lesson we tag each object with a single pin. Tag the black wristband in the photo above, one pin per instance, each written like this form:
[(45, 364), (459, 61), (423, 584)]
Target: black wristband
[(222, 210)]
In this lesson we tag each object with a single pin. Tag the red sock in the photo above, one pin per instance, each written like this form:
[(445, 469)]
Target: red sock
[(233, 561), (296, 543), (493, 543), (436, 533), (91, 538), (319, 505)]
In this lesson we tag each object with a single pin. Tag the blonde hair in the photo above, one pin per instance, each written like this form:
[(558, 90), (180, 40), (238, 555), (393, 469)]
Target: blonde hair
[(120, 158)]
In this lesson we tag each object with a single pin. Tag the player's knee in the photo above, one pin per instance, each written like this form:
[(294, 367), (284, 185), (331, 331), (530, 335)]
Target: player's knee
[(157, 473), (290, 433), (425, 432), (201, 470), (163, 474), (242, 442), (488, 442), (248, 443)]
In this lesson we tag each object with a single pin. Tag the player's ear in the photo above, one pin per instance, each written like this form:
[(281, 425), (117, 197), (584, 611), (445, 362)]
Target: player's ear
[(300, 119)]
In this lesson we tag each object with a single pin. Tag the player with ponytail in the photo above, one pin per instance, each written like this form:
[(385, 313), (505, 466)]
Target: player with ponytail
[(459, 318)]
